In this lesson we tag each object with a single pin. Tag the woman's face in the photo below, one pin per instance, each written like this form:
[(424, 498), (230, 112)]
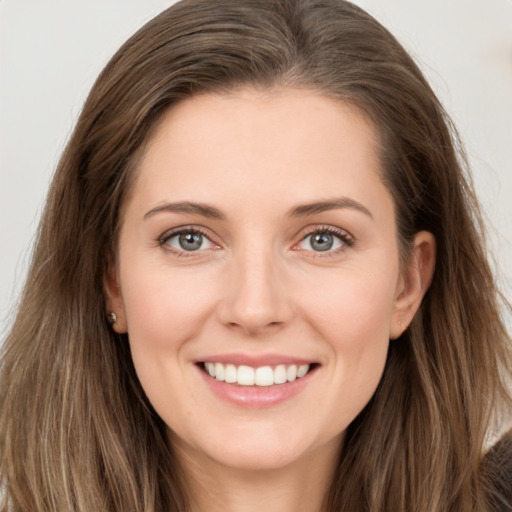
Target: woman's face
[(259, 242)]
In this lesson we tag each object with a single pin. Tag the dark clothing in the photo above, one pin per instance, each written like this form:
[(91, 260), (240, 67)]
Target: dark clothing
[(497, 467)]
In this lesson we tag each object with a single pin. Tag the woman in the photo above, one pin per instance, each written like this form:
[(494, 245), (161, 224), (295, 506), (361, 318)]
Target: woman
[(260, 281)]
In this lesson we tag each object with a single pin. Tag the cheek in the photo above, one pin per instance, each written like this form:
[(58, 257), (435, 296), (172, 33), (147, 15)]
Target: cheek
[(352, 314), (164, 310), (353, 307)]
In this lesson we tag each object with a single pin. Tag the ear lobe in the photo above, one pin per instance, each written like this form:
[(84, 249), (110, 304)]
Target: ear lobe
[(414, 283), (114, 301)]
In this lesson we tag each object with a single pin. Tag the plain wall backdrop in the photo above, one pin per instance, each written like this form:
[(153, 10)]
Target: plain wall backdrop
[(52, 50)]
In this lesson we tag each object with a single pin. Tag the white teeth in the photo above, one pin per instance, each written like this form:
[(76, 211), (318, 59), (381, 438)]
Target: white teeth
[(302, 370), (264, 376), (280, 374), (210, 367), (245, 376), (261, 376), (291, 373), (231, 373), (219, 371)]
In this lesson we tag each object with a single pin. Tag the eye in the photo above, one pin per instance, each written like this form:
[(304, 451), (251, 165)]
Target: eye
[(188, 240), (324, 240)]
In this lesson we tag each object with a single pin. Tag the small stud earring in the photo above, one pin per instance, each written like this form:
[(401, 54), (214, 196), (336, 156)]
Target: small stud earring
[(399, 324), (112, 318)]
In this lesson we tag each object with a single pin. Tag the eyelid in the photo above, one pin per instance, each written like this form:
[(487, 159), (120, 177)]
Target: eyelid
[(343, 235), (347, 240), (190, 228)]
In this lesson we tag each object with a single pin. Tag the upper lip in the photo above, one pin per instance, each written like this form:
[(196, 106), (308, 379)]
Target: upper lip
[(255, 360)]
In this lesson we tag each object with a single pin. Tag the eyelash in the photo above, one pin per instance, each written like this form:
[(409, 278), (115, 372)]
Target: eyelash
[(164, 239), (347, 241)]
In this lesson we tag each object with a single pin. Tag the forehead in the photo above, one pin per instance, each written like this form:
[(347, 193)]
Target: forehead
[(289, 145)]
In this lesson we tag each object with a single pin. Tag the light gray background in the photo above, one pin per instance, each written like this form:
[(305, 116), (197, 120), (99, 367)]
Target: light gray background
[(52, 50)]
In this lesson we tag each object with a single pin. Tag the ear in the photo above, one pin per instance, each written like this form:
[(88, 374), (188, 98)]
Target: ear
[(114, 300), (414, 282)]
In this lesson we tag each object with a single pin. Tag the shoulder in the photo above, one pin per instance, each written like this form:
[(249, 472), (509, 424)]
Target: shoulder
[(497, 469)]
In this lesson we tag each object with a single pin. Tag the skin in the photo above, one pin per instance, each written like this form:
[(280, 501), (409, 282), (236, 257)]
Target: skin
[(258, 286)]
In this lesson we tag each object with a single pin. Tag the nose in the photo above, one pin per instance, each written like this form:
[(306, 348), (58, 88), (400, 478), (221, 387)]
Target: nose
[(257, 298)]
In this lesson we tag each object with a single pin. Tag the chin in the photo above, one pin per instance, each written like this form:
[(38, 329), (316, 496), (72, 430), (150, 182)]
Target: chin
[(245, 449), (256, 457)]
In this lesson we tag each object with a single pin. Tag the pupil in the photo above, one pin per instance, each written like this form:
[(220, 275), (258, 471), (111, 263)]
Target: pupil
[(191, 241), (322, 242)]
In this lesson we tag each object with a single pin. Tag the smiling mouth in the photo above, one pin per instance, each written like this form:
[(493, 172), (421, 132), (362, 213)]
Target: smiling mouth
[(261, 376)]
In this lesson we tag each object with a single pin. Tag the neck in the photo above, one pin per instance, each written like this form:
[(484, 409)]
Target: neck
[(300, 487)]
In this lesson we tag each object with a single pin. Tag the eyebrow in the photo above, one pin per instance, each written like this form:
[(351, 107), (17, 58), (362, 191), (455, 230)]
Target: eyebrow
[(188, 207), (330, 204), (304, 210)]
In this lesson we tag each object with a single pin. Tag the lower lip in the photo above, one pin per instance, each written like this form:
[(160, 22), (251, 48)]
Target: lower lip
[(257, 396)]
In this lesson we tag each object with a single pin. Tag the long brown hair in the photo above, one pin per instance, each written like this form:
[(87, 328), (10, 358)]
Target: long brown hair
[(76, 430)]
